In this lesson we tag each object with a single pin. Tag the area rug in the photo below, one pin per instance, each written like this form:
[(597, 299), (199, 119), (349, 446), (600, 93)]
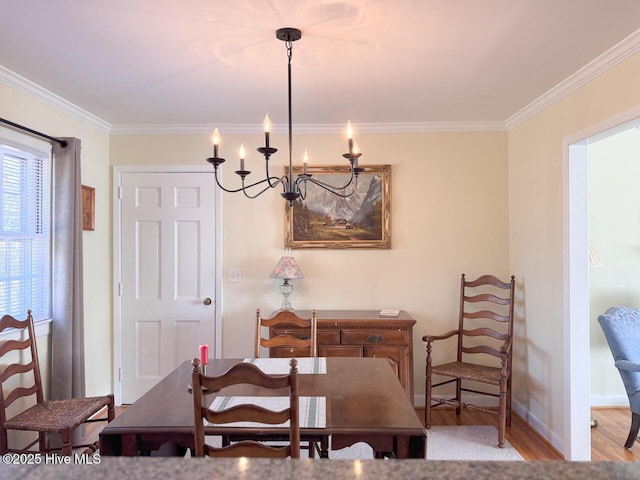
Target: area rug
[(476, 442), (448, 443)]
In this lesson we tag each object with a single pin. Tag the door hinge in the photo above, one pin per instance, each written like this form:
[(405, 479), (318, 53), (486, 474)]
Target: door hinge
[(120, 374), (120, 192), (120, 289)]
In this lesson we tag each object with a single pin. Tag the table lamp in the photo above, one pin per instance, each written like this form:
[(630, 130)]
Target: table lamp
[(287, 269)]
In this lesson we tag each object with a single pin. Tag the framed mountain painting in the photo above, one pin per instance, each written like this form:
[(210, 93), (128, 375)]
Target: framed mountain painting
[(324, 220)]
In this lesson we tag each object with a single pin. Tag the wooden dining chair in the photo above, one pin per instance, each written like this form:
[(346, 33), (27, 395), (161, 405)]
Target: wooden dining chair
[(20, 382), (484, 333), (245, 373), (287, 342)]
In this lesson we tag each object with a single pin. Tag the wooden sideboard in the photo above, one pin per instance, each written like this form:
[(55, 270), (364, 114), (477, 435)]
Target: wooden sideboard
[(359, 333)]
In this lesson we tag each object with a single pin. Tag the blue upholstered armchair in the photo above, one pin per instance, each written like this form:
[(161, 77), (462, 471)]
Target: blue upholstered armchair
[(621, 327)]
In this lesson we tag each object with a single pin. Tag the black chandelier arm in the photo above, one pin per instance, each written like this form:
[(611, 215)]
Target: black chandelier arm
[(330, 188), (327, 186), (245, 190), (245, 187), (269, 178), (303, 195)]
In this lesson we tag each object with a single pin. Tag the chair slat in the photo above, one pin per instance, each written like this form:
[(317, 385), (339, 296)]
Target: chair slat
[(487, 297), (485, 332), (15, 369), (7, 321), (19, 392), (248, 413), (13, 345), (245, 372), (488, 280), (487, 314), (482, 349)]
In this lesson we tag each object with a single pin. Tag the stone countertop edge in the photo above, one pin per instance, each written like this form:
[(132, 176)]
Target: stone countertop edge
[(259, 469)]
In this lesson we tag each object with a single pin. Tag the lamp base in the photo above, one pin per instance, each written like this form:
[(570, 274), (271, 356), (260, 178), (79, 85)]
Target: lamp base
[(286, 289)]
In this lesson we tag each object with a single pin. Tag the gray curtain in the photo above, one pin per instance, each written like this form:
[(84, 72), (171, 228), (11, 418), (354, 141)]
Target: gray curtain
[(67, 339)]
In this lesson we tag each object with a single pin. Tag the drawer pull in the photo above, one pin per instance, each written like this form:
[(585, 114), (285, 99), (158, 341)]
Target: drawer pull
[(304, 336), (374, 338)]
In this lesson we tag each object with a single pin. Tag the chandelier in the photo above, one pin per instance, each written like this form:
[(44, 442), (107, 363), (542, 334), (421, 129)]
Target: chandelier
[(292, 188)]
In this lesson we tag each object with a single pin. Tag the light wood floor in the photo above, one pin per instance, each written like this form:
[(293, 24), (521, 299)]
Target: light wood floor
[(607, 438)]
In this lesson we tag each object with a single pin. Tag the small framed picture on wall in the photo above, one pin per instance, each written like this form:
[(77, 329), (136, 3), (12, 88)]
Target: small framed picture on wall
[(88, 208)]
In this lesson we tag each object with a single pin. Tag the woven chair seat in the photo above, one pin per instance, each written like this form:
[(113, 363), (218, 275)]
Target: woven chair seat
[(469, 371), (56, 415)]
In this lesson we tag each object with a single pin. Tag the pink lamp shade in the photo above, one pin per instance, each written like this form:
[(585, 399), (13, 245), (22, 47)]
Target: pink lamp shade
[(287, 268)]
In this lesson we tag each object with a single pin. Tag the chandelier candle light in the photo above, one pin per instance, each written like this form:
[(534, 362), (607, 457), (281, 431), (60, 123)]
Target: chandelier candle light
[(292, 189), (287, 269)]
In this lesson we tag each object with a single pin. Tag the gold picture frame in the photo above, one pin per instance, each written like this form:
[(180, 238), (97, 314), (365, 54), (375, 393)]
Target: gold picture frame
[(88, 208), (360, 221)]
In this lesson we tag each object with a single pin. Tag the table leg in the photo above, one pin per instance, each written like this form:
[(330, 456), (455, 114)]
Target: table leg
[(129, 445), (324, 447)]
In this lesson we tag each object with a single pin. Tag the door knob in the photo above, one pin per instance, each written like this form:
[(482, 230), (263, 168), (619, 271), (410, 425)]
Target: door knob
[(207, 301)]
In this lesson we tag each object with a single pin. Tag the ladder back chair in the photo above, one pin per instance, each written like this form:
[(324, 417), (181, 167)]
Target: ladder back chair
[(287, 344), (291, 343), (20, 381), (245, 373), (485, 330)]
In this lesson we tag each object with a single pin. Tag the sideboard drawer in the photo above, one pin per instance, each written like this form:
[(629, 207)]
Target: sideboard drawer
[(288, 352), (331, 337), (340, 351), (373, 337)]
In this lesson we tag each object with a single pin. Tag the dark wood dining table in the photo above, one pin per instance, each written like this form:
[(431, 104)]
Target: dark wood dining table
[(365, 402)]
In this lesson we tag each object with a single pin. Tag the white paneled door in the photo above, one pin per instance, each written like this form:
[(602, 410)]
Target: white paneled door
[(167, 304)]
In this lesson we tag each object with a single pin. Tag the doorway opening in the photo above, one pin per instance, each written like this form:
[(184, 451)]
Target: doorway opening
[(577, 315)]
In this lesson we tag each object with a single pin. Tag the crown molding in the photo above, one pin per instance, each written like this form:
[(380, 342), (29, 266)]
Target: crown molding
[(43, 95), (311, 129), (616, 54)]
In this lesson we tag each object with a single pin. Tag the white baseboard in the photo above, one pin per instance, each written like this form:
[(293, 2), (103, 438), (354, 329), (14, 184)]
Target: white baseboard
[(609, 401)]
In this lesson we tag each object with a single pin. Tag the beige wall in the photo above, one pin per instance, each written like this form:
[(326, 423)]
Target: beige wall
[(536, 219), (449, 215)]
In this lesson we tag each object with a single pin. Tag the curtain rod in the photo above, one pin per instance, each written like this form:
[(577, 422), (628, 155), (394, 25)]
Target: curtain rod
[(63, 143)]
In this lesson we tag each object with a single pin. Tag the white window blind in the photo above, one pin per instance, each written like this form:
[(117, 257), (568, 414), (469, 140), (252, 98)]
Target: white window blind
[(25, 232)]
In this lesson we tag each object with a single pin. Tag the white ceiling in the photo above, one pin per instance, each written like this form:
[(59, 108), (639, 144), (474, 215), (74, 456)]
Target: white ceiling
[(217, 62)]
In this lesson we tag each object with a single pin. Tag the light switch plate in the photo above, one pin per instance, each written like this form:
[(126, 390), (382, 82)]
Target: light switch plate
[(235, 275)]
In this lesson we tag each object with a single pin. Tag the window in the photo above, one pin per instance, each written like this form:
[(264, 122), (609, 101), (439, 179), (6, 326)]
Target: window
[(25, 232)]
